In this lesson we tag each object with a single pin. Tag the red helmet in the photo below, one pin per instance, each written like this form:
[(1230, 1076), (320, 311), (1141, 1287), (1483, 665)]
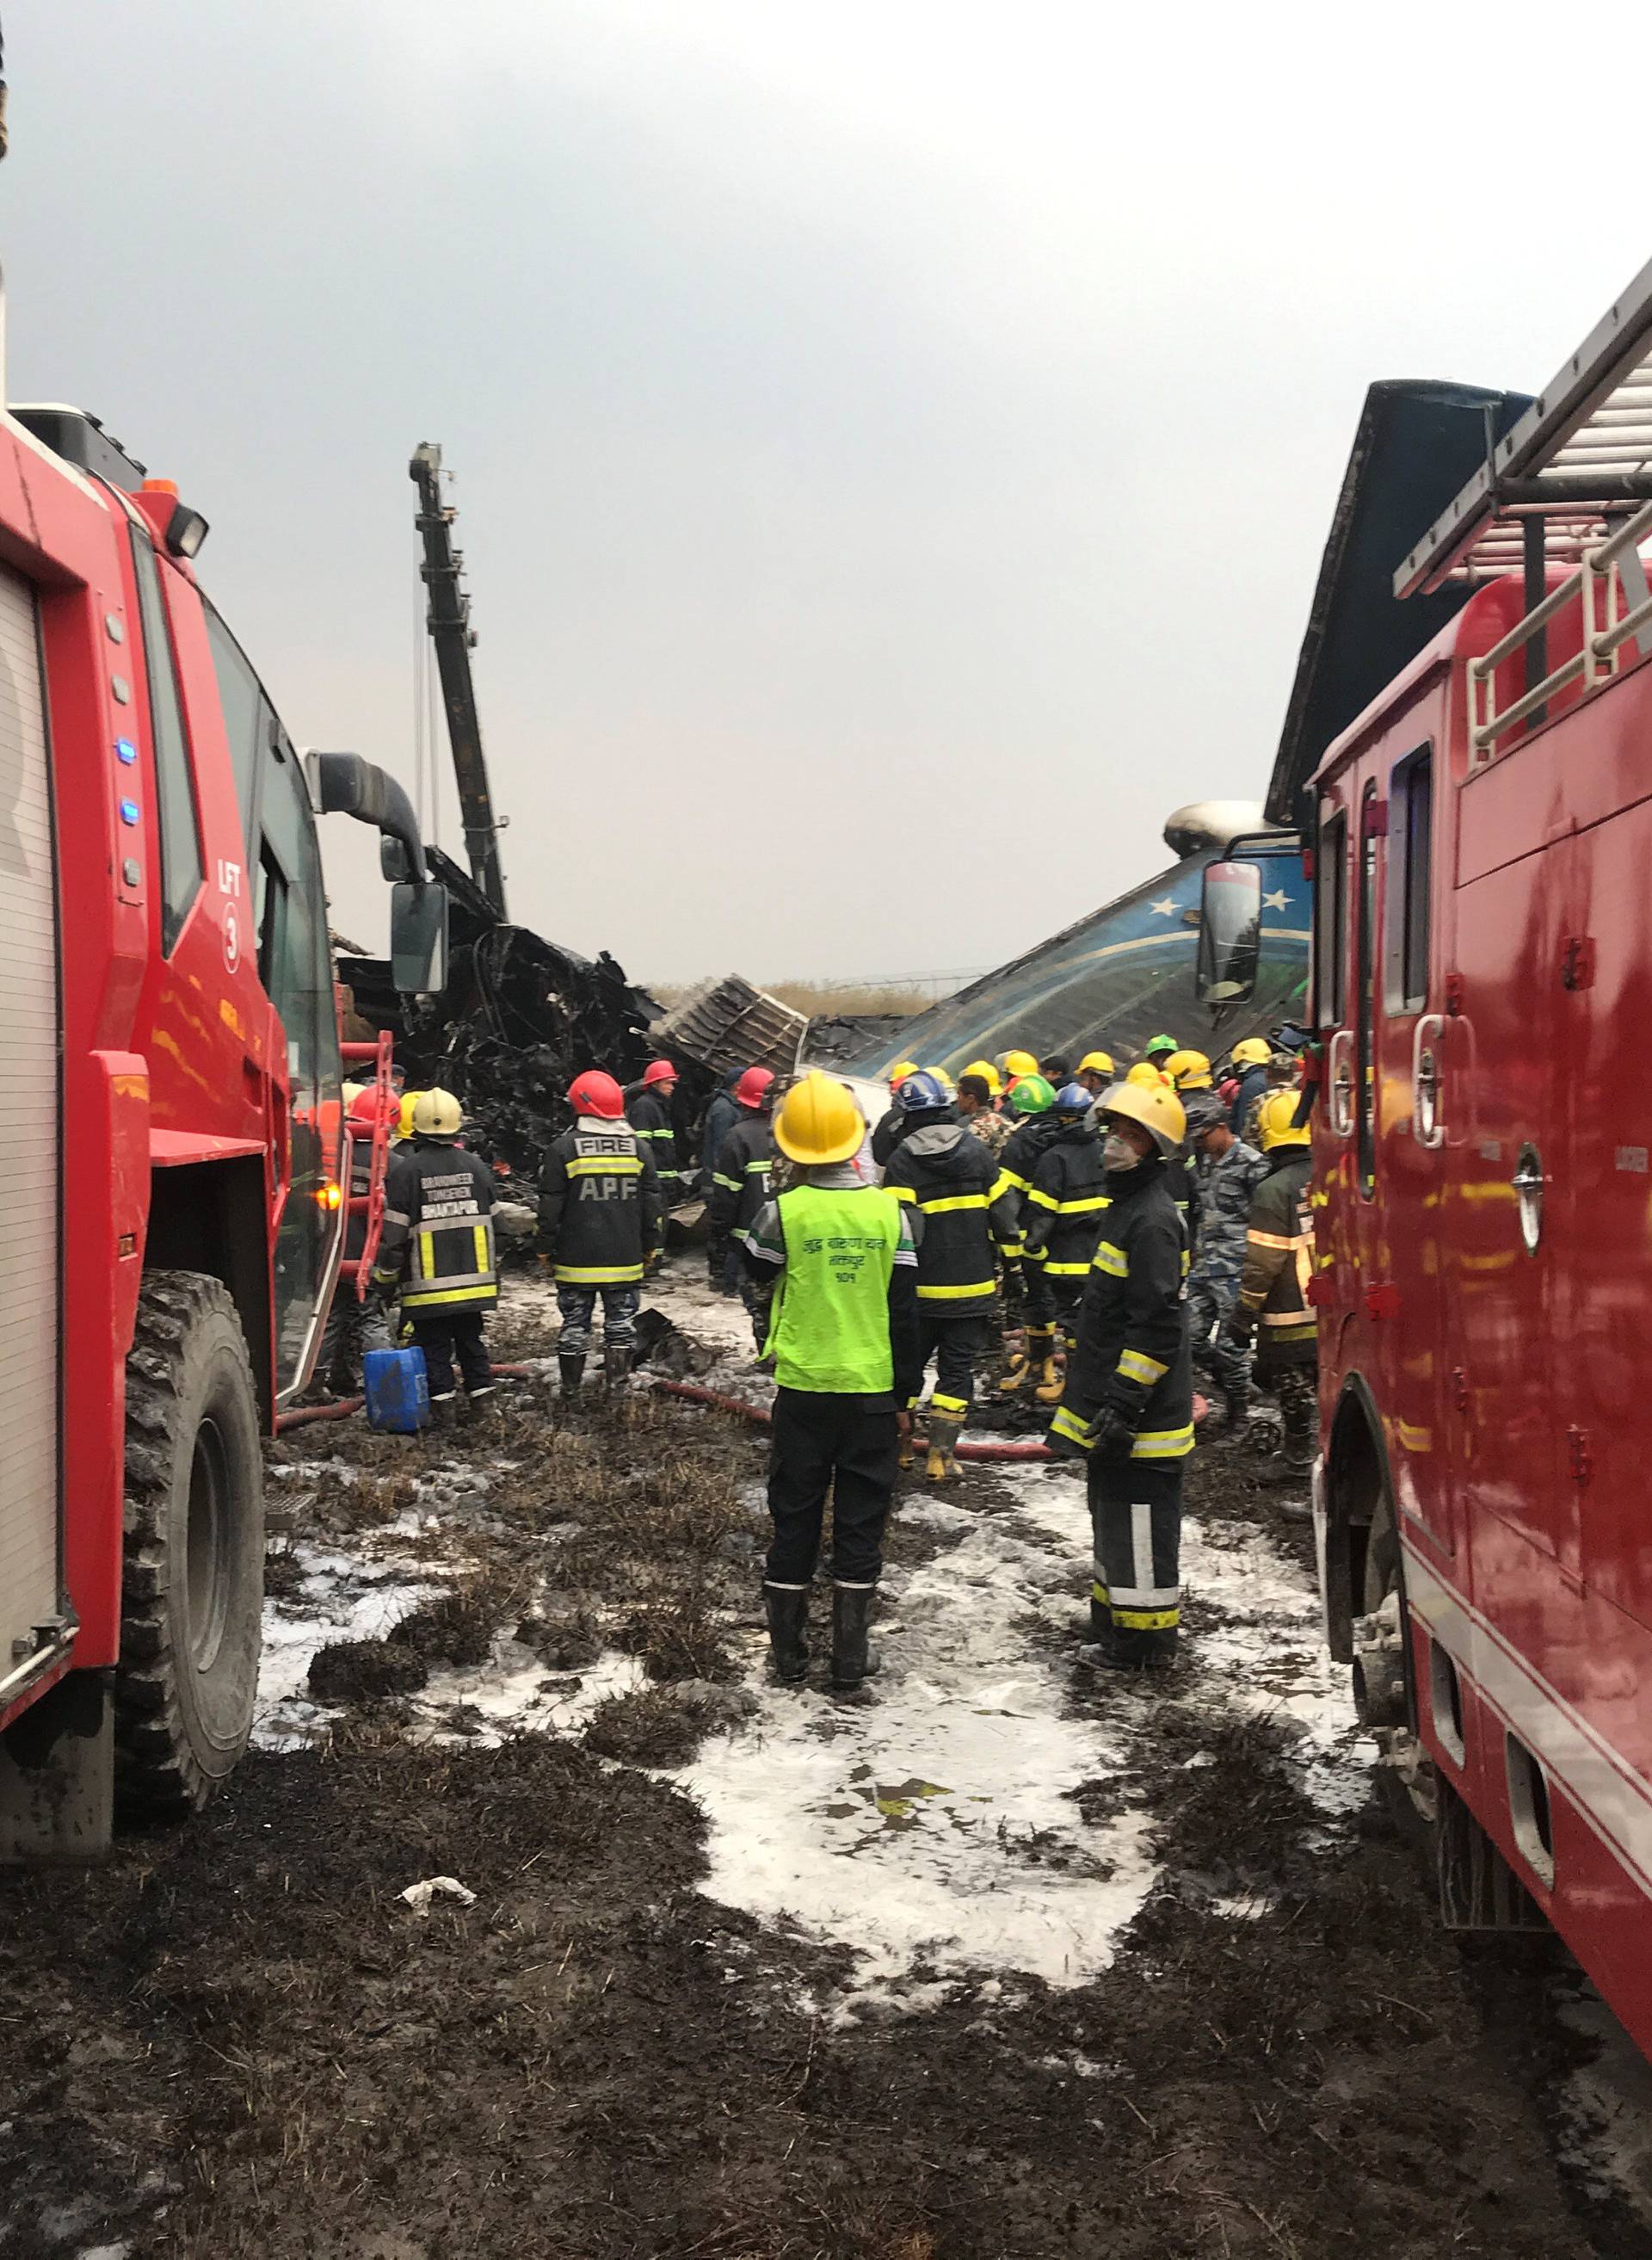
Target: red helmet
[(598, 1094), (658, 1071), (754, 1087), (367, 1110)]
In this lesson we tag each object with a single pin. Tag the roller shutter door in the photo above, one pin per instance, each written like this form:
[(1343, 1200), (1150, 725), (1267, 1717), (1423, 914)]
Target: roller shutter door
[(30, 1329)]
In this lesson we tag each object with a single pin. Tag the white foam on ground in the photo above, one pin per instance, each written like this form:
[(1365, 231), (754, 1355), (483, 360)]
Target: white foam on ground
[(932, 1826)]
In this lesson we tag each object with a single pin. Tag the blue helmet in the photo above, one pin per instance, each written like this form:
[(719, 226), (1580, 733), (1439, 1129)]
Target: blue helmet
[(1073, 1099), (921, 1093)]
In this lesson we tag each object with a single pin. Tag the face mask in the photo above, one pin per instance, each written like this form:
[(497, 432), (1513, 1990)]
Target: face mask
[(1117, 1153)]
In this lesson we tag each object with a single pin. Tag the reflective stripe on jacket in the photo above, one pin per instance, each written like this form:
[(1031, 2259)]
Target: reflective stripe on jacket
[(1279, 1261), (740, 1178), (1018, 1165), (650, 1118), (1065, 1203), (599, 1206), (438, 1236), (1133, 1353), (950, 1181)]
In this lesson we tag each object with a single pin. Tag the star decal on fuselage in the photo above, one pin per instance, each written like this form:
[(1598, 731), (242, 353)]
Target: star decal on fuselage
[(1165, 909), (1275, 902)]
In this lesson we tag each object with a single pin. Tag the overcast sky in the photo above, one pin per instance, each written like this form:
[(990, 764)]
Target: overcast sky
[(894, 441)]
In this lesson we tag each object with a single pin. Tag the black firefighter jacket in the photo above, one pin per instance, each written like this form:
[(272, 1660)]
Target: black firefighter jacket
[(599, 1206), (947, 1175), (1273, 1287), (1133, 1353), (650, 1117), (1065, 1205), (1018, 1165), (438, 1236), (740, 1178)]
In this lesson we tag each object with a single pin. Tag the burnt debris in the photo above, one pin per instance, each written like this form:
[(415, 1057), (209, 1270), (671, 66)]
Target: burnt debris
[(518, 1020)]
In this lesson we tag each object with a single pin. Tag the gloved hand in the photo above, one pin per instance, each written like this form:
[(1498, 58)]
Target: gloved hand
[(1114, 1435), (1239, 1330), (652, 1261)]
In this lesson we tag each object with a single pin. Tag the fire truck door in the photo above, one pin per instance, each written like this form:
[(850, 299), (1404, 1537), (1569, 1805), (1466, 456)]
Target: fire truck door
[(30, 1317), (1503, 1236), (1600, 1198)]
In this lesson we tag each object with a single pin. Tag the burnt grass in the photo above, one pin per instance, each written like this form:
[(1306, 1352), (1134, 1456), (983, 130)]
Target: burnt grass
[(235, 2039)]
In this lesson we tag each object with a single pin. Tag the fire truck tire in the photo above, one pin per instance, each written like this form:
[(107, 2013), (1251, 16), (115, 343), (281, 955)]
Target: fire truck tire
[(1385, 1573), (193, 1578)]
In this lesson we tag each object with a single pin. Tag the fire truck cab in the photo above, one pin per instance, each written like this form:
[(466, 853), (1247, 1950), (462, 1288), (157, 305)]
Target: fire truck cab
[(172, 1140), (1482, 997)]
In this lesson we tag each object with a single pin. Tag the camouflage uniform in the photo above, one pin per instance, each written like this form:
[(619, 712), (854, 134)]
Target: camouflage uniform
[(993, 1130), (1225, 1190)]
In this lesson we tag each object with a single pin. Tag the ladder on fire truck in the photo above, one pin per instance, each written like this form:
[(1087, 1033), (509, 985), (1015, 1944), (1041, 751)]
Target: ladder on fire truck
[(1570, 485)]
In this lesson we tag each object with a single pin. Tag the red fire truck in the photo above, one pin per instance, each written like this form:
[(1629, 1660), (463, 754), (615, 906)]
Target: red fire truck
[(1480, 838), (172, 1142)]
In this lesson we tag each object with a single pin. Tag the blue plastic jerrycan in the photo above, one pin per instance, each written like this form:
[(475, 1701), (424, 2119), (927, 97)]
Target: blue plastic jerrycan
[(396, 1389)]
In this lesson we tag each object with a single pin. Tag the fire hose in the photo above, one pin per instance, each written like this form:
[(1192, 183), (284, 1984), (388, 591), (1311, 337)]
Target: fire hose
[(992, 1449)]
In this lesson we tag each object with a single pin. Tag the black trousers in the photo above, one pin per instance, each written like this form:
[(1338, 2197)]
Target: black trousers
[(445, 1335), (1040, 1299), (955, 1342), (849, 1446), (1135, 1516)]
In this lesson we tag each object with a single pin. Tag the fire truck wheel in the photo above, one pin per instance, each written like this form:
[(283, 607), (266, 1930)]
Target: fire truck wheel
[(1408, 1786), (193, 1579)]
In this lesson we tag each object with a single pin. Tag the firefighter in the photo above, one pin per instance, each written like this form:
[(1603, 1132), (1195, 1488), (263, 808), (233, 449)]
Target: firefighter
[(437, 1244), (1146, 1076), (1272, 1306), (1064, 1208), (356, 1323), (977, 1112), (404, 1124), (1055, 1070), (1026, 1289), (952, 1182), (1250, 1056), (1096, 1072), (1229, 1173), (721, 1115), (1011, 1067), (1128, 1408), (648, 1110), (892, 1122), (739, 1184), (600, 1224), (1157, 1049), (837, 1259)]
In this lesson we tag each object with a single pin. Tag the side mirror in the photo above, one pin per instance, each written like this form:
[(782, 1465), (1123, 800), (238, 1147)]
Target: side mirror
[(1229, 933), (343, 785), (418, 938)]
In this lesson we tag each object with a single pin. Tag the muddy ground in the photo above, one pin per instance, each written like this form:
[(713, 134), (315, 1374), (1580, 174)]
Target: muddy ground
[(1174, 1989)]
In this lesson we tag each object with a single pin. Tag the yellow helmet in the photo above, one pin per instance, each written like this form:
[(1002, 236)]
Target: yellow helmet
[(1019, 1063), (899, 1072), (988, 1074), (1155, 1106), (404, 1113), (942, 1078), (437, 1114), (1252, 1051), (1188, 1070), (1276, 1123), (1146, 1076), (1096, 1063), (819, 1121)]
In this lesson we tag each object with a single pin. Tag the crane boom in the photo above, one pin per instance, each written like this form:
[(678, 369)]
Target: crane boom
[(449, 620)]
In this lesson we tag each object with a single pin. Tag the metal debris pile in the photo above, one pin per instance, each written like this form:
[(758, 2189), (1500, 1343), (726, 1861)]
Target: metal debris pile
[(518, 1020)]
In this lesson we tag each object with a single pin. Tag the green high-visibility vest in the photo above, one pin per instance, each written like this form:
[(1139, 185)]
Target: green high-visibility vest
[(830, 1325)]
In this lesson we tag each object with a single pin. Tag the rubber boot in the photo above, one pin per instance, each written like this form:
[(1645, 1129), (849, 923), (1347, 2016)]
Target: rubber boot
[(571, 1364), (616, 1365), (788, 1613), (1100, 1652), (853, 1658), (942, 1463), (1236, 1410), (1052, 1381), (1029, 1365)]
